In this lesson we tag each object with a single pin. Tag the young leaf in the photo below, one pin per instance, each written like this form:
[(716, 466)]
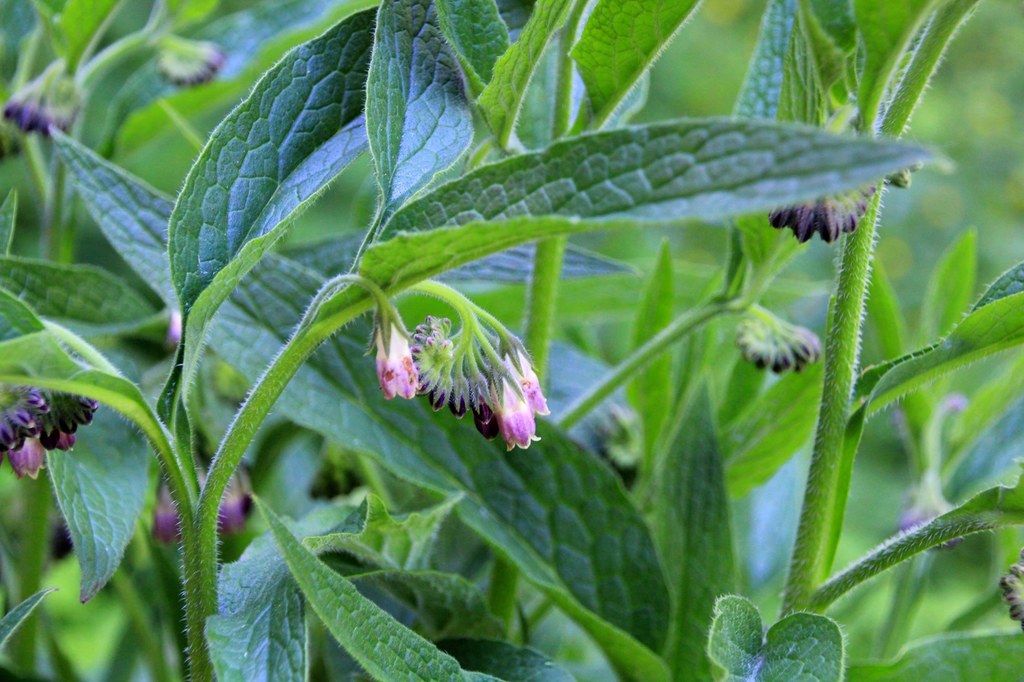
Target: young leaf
[(384, 647), (504, 661), (299, 127), (259, 632), (101, 488), (501, 99), (620, 43), (78, 22), (8, 213), (381, 540), (691, 527), (885, 315), (475, 30), (132, 216), (18, 614), (1009, 283), (993, 450), (762, 86), (653, 389), (950, 287), (957, 656), (800, 646), (417, 116), (89, 298), (886, 29), (574, 498)]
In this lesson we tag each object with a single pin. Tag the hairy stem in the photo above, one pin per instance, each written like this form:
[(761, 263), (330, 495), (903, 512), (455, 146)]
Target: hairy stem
[(646, 353), (542, 299), (35, 541), (825, 497)]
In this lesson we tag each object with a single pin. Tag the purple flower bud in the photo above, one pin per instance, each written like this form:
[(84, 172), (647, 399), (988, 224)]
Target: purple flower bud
[(486, 424), (66, 441), (189, 62), (829, 216), (166, 523), (174, 329), (28, 459), (234, 506)]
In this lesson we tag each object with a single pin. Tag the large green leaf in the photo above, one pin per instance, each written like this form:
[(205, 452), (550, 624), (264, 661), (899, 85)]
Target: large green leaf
[(553, 510), (501, 99), (417, 116), (383, 647), (886, 29), (101, 489), (8, 213), (762, 86), (382, 540), (89, 298), (691, 526), (132, 216), (299, 127), (802, 646), (475, 30), (957, 657), (16, 616), (504, 661), (619, 44)]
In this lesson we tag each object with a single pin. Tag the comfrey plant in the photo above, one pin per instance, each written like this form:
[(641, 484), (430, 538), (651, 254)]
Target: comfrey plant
[(630, 505)]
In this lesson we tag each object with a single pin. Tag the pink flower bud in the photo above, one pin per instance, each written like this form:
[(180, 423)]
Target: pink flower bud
[(515, 419), (530, 384), (395, 369), (28, 459)]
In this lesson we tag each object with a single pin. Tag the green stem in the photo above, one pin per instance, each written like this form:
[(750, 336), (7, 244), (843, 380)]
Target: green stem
[(542, 299), (35, 541), (646, 353), (825, 496), (37, 168), (134, 606), (501, 593), (906, 596)]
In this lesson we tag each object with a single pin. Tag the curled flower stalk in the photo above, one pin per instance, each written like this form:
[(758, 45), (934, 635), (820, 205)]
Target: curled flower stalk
[(828, 217), (770, 342), (1012, 587), (33, 421)]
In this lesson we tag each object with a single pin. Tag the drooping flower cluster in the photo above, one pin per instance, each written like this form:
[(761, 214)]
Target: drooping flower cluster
[(189, 62), (767, 341), (50, 101), (33, 421), (482, 368), (1012, 587), (828, 216)]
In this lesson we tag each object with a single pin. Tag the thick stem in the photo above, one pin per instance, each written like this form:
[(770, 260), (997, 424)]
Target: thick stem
[(501, 593), (824, 499), (542, 299), (35, 536), (646, 353)]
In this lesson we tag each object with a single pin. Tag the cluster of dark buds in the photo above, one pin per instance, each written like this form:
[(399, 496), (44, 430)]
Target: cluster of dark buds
[(50, 101), (1012, 587), (829, 216), (188, 62), (233, 512), (482, 368), (767, 341), (33, 421)]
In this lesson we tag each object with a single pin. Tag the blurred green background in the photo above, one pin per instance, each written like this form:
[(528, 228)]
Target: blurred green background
[(972, 113)]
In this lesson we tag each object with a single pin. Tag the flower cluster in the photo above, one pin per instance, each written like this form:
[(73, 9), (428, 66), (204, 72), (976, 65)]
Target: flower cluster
[(1012, 587), (233, 512), (829, 216), (189, 62), (482, 368), (33, 421), (50, 101), (767, 341)]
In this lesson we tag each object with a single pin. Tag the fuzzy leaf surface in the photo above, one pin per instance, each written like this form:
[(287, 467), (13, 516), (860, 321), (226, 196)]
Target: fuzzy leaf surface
[(16, 616), (958, 657), (476, 32)]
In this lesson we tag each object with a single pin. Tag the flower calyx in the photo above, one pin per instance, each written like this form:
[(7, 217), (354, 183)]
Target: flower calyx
[(187, 62), (770, 342), (50, 101), (829, 216)]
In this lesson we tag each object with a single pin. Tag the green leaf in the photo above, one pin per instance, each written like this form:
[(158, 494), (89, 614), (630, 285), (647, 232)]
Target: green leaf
[(501, 99), (1009, 283), (504, 661), (993, 508), (515, 14), (8, 213), (885, 315), (955, 657), (101, 489), (543, 508), (259, 632), (443, 604), (886, 29), (132, 216), (950, 287), (691, 527), (705, 169), (475, 30), (802, 98), (993, 450), (88, 297), (188, 11), (18, 614), (653, 389), (417, 116), (78, 22), (384, 541), (762, 86), (772, 428), (801, 646), (299, 127), (385, 648), (620, 43)]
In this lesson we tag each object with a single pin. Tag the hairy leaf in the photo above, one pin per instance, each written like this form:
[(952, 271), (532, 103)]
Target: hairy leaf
[(501, 99), (619, 44), (504, 661), (77, 22), (955, 657), (417, 115), (101, 488), (475, 30), (950, 287), (16, 616), (383, 647), (762, 86)]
